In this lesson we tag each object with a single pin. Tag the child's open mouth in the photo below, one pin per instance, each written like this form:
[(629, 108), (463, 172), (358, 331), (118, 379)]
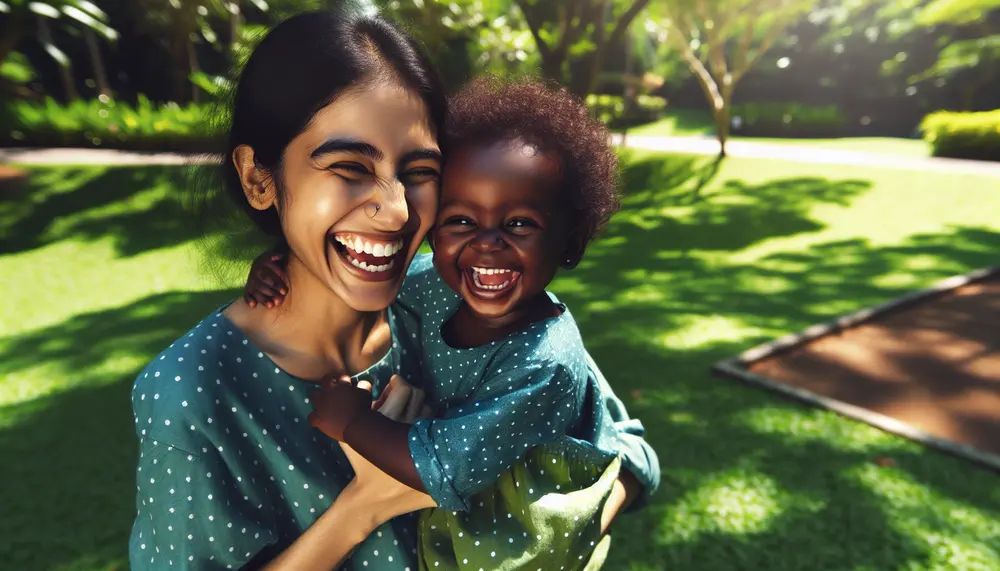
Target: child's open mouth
[(491, 283), (372, 259)]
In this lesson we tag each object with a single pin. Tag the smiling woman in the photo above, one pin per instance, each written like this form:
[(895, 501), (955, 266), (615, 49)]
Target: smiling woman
[(333, 151)]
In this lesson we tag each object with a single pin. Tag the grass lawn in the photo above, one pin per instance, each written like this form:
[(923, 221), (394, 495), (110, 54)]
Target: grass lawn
[(695, 122), (99, 273)]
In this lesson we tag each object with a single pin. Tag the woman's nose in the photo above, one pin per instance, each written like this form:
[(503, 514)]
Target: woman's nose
[(391, 212)]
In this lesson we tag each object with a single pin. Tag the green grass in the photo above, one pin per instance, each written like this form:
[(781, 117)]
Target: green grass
[(696, 122), (99, 273)]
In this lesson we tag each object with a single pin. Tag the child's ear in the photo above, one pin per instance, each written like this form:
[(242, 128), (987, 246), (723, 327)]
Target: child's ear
[(573, 253)]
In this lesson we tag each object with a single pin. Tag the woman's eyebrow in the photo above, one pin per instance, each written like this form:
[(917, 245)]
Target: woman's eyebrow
[(350, 146), (420, 154)]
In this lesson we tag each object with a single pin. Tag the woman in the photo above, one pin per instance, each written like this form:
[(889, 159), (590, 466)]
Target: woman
[(230, 474)]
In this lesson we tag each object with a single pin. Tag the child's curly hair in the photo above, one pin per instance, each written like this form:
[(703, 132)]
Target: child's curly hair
[(491, 110)]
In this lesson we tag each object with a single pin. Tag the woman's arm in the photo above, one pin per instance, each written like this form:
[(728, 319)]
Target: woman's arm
[(369, 500)]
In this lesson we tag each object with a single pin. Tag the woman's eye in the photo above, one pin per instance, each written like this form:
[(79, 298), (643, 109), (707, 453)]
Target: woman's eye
[(418, 176), (352, 168)]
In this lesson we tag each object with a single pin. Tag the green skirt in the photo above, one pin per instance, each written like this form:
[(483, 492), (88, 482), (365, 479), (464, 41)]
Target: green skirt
[(542, 513)]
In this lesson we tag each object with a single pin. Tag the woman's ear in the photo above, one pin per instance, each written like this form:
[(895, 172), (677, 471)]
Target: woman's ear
[(258, 185)]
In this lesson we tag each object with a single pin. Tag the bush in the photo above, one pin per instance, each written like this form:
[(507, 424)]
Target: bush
[(611, 109), (776, 119), (963, 135), (106, 123)]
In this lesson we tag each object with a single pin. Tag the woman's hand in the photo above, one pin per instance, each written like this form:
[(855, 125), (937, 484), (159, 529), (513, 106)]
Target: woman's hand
[(266, 284), (385, 496), (337, 404)]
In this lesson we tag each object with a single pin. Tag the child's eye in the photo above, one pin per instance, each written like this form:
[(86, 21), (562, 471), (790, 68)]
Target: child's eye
[(522, 224), (462, 221)]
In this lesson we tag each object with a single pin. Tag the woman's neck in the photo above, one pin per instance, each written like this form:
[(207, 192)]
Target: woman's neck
[(314, 333)]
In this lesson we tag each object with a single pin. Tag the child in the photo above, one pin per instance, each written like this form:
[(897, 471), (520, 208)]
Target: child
[(518, 458)]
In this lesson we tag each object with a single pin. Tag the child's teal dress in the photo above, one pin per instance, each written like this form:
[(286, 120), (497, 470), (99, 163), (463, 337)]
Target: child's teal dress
[(519, 456)]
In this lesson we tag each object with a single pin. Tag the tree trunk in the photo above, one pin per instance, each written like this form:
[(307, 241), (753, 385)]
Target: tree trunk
[(100, 77), (552, 68), (192, 57), (10, 35), (65, 70), (235, 18)]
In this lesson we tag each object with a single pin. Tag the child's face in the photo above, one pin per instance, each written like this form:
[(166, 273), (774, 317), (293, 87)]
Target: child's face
[(501, 232)]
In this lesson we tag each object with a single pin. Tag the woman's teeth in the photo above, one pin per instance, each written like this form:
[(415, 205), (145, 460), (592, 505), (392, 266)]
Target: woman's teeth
[(377, 249), (373, 268)]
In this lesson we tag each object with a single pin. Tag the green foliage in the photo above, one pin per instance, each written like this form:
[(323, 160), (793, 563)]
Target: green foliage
[(964, 135), (779, 119), (107, 123), (611, 109), (955, 11), (17, 68)]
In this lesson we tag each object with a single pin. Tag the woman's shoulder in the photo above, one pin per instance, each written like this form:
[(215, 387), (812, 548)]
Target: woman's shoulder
[(174, 395)]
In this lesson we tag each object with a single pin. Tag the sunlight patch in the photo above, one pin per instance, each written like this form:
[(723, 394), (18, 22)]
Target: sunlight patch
[(954, 534), (796, 425), (699, 330)]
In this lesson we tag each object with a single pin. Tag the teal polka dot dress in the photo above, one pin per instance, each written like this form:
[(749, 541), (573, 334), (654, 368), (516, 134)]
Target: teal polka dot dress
[(230, 471), (512, 432)]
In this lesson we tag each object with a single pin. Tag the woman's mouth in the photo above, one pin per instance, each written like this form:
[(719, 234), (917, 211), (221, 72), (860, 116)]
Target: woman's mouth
[(491, 283), (373, 260)]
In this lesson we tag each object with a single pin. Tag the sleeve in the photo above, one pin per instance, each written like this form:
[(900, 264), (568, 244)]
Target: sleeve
[(473, 443), (638, 457), (191, 515)]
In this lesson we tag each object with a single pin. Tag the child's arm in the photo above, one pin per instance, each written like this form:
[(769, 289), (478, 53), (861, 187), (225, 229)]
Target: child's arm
[(266, 284), (344, 412)]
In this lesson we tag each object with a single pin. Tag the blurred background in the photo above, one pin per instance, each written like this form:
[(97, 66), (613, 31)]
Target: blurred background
[(783, 161)]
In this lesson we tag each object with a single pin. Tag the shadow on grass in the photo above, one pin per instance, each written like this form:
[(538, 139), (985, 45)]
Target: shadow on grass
[(642, 297), (139, 207), (68, 478)]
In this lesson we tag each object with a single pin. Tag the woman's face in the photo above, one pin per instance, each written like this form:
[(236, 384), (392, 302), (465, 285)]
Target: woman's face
[(360, 188)]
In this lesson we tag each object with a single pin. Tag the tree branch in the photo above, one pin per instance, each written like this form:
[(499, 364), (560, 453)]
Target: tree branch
[(534, 25), (705, 80), (626, 20), (769, 38)]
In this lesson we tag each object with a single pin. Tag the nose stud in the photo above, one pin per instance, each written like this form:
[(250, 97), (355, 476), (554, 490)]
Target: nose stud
[(373, 209)]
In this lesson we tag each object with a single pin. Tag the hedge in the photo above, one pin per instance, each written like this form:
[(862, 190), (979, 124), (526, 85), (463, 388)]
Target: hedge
[(105, 123), (611, 108), (963, 135), (779, 119)]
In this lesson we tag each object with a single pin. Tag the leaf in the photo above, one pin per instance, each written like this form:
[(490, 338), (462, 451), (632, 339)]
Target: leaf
[(89, 21), (955, 12), (91, 9), (43, 9), (260, 4), (57, 54)]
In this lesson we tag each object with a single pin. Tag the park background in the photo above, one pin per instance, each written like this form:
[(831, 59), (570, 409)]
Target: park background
[(860, 137)]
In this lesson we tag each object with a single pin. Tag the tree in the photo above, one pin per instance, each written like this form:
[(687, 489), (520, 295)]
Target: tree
[(16, 20), (721, 40), (180, 25), (573, 36), (976, 49)]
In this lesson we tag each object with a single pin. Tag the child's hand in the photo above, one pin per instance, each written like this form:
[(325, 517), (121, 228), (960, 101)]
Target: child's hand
[(266, 283), (337, 404)]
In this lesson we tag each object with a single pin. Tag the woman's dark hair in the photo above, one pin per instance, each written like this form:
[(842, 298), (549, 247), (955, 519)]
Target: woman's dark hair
[(491, 110), (302, 65)]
